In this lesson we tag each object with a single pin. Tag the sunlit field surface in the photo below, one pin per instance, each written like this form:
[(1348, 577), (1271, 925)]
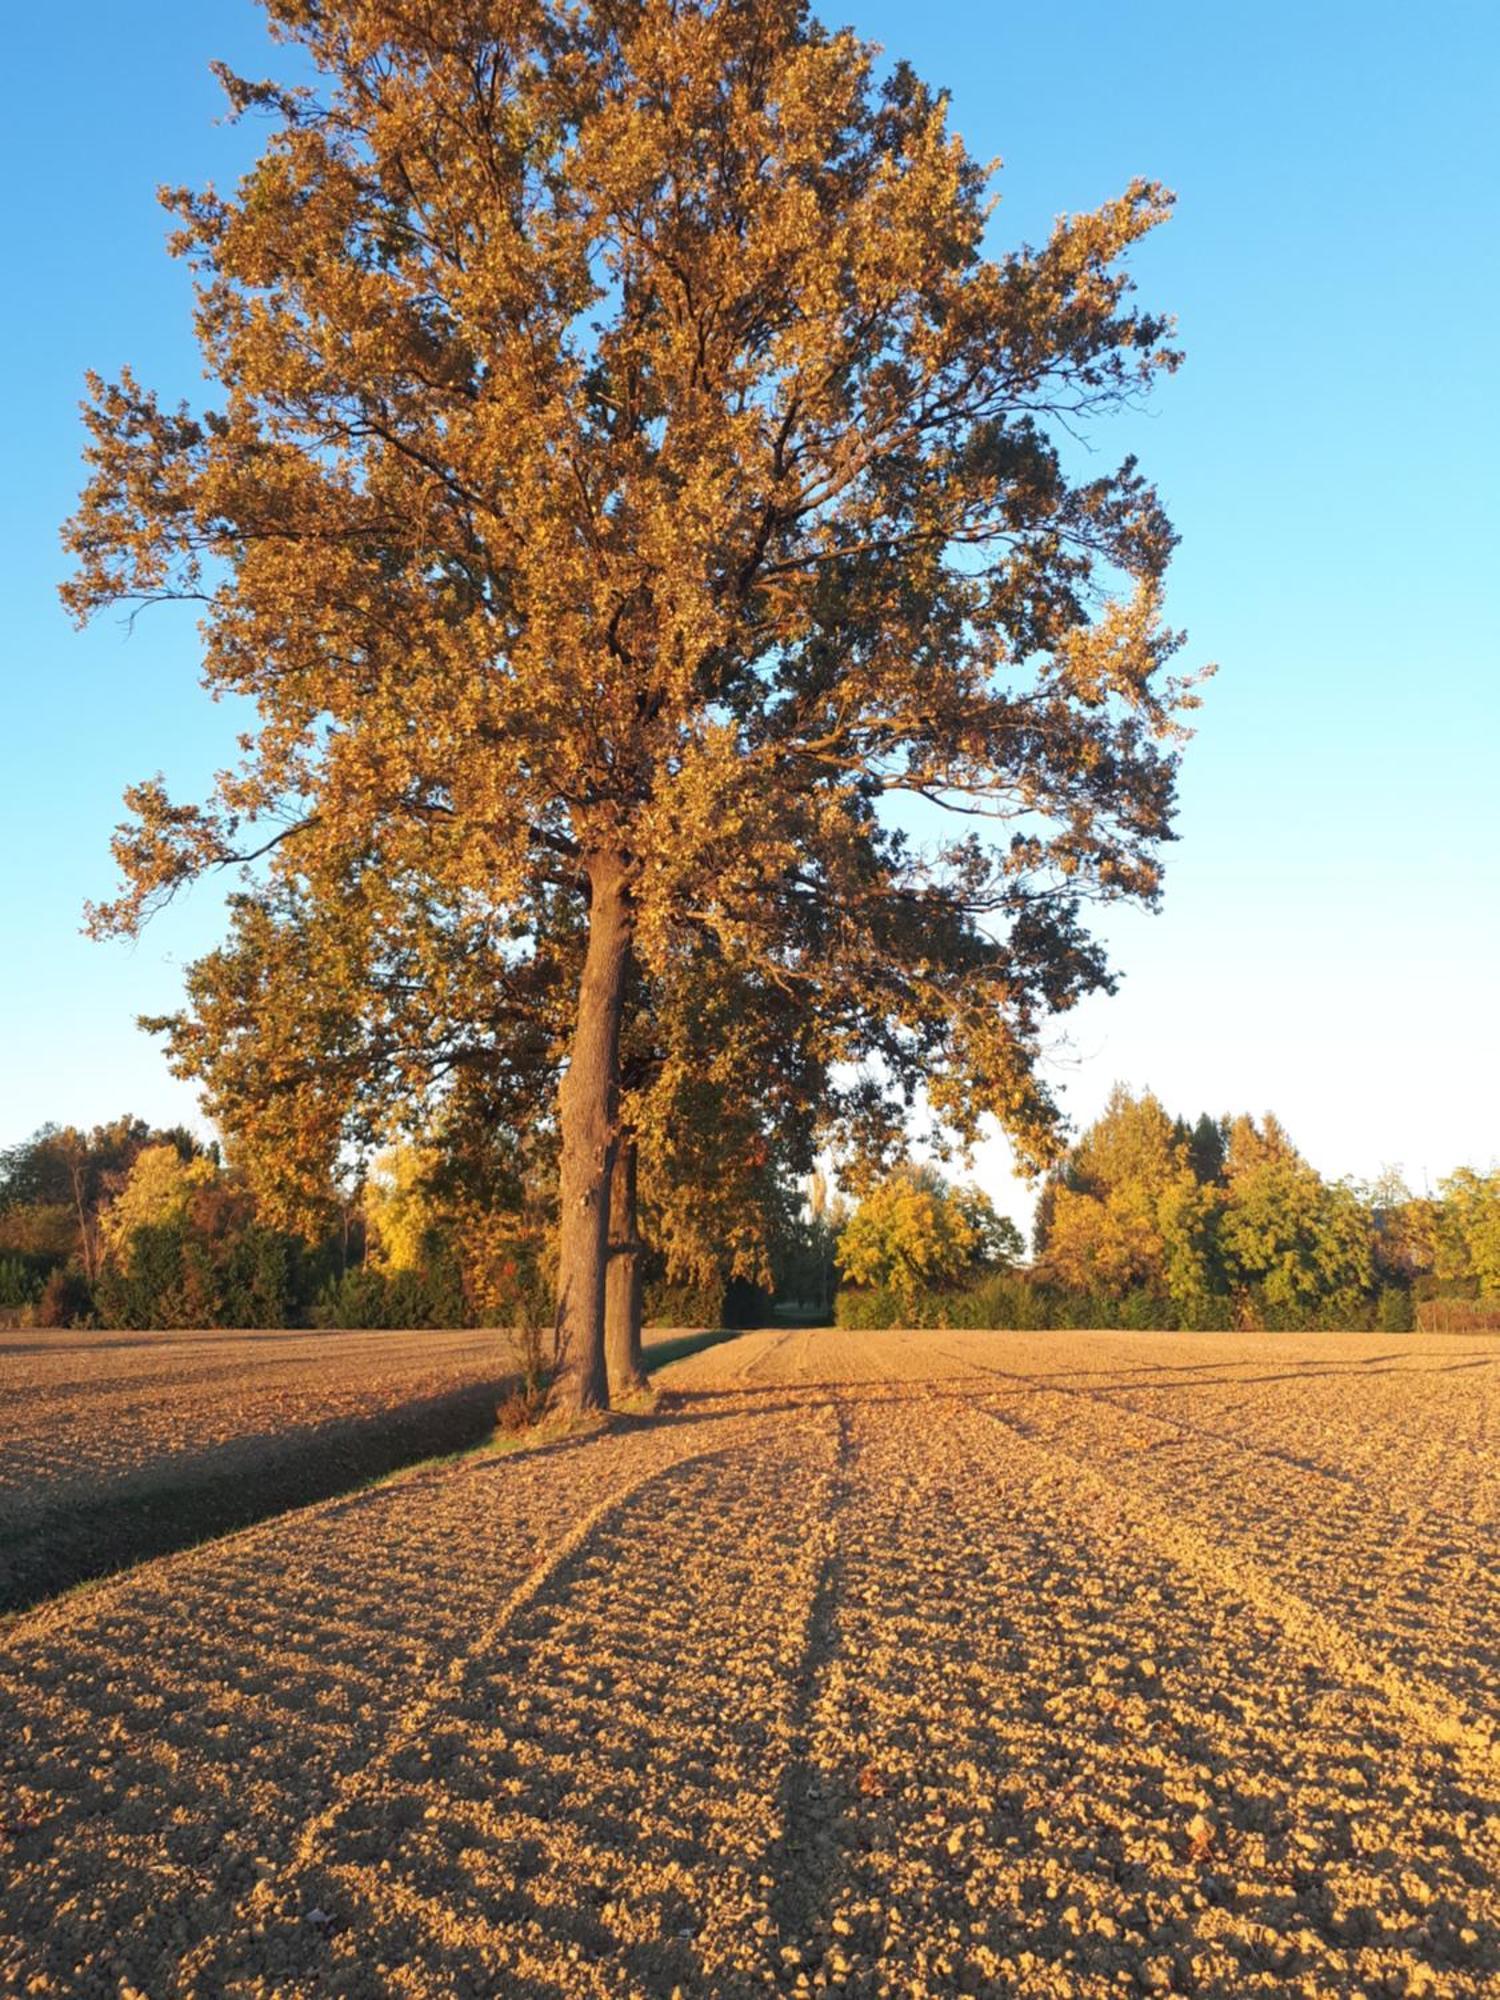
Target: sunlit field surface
[(903, 1664)]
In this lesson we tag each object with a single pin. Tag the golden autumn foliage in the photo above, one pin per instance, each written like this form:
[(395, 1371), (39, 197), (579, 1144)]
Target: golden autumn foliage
[(1128, 1208), (630, 471), (400, 1208), (1226, 1220), (913, 1232), (157, 1192)]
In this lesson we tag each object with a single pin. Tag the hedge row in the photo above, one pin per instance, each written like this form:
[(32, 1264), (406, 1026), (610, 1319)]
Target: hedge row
[(1017, 1304), (1458, 1315)]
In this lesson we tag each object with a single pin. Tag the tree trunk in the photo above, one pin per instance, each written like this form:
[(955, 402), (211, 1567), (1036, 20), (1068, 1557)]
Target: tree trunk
[(85, 1241), (588, 1105), (622, 1313)]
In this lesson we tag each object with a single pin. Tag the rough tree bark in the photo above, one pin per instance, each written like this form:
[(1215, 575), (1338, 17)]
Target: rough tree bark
[(589, 1117), (622, 1314)]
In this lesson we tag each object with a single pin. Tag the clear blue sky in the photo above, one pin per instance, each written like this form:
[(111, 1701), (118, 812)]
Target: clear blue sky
[(1328, 946)]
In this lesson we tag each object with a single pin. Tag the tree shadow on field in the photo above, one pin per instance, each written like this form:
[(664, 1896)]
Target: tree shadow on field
[(140, 1519), (811, 1804), (890, 1389), (1314, 1372), (576, 1797)]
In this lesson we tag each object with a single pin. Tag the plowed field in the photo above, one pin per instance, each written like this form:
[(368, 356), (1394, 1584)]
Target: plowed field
[(81, 1413), (876, 1664), (117, 1444)]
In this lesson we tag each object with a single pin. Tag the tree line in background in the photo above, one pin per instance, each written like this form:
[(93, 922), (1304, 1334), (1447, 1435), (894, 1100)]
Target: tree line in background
[(132, 1226), (1149, 1221), (1152, 1221)]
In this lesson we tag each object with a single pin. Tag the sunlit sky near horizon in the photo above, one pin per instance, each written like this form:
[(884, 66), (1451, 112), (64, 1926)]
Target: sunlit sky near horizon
[(1328, 945)]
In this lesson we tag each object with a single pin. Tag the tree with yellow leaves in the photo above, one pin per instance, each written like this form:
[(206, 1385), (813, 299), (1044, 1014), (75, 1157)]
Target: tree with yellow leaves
[(1127, 1210), (630, 472), (157, 1192), (912, 1233), (401, 1211)]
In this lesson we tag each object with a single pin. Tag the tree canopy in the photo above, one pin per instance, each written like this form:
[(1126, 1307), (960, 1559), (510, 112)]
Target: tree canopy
[(1225, 1218), (914, 1232), (630, 470)]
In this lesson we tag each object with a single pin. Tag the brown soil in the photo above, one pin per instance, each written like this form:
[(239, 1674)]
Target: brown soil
[(877, 1664), (81, 1413), (116, 1447)]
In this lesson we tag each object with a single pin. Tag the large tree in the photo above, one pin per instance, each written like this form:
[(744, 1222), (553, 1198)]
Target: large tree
[(629, 472), (390, 1013), (1128, 1208)]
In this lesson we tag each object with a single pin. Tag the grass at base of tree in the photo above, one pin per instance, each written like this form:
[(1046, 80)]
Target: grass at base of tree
[(525, 1416)]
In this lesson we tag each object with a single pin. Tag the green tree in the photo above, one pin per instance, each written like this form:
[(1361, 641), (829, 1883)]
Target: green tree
[(1298, 1247), (1128, 1210), (1468, 1230), (912, 1233), (998, 1244), (1404, 1230), (808, 1268), (1207, 1146), (630, 469)]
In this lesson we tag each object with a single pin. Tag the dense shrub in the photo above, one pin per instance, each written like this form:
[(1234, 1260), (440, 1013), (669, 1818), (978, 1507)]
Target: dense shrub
[(1079, 1311), (1001, 1301), (65, 1299), (1017, 1302), (1210, 1314), (367, 1297), (354, 1298), (174, 1274), (869, 1310), (1144, 1311), (1394, 1311), (22, 1279), (259, 1282), (1255, 1312), (684, 1302)]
